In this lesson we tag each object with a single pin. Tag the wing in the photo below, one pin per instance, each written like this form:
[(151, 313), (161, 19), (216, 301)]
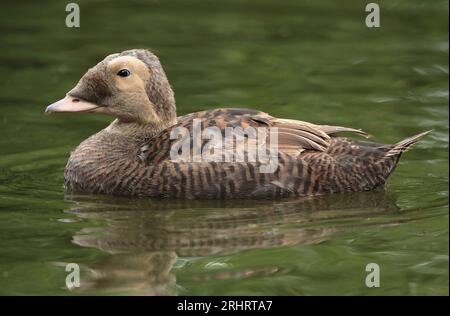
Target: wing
[(294, 137)]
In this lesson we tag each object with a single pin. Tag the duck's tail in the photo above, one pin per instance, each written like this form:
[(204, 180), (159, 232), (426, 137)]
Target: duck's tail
[(402, 146)]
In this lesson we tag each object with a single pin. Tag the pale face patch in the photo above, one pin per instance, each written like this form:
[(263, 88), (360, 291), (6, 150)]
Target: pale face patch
[(138, 78)]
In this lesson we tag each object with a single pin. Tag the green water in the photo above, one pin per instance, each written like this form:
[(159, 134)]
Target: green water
[(309, 60)]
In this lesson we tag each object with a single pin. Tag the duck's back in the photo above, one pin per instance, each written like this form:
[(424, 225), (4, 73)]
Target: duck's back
[(310, 161)]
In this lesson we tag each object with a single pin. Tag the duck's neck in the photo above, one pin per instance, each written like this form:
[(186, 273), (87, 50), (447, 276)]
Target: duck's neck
[(135, 131)]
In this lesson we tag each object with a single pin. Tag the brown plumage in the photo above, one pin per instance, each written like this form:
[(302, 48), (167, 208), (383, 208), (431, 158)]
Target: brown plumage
[(132, 157)]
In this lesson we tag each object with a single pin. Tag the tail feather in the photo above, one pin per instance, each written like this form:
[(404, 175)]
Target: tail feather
[(402, 146)]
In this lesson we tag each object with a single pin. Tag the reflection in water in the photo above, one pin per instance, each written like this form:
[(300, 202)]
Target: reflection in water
[(145, 237)]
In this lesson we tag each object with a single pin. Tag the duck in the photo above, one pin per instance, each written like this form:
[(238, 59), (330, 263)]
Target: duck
[(134, 155)]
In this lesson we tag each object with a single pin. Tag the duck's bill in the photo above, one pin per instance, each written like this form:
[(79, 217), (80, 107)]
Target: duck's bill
[(72, 104)]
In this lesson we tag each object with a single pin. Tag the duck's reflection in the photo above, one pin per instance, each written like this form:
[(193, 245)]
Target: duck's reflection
[(145, 237)]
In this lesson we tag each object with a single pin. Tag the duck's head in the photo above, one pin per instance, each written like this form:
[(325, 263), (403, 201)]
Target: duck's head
[(131, 86)]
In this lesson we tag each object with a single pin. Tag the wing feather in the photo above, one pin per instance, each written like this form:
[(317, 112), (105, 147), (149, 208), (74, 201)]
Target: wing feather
[(294, 137)]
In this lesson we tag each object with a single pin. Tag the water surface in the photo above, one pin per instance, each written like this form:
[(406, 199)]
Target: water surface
[(297, 59)]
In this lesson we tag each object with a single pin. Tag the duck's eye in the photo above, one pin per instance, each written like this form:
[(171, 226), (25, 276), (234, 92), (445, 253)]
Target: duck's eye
[(124, 73)]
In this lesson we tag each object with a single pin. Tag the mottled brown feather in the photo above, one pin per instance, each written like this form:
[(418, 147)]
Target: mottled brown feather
[(142, 166)]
